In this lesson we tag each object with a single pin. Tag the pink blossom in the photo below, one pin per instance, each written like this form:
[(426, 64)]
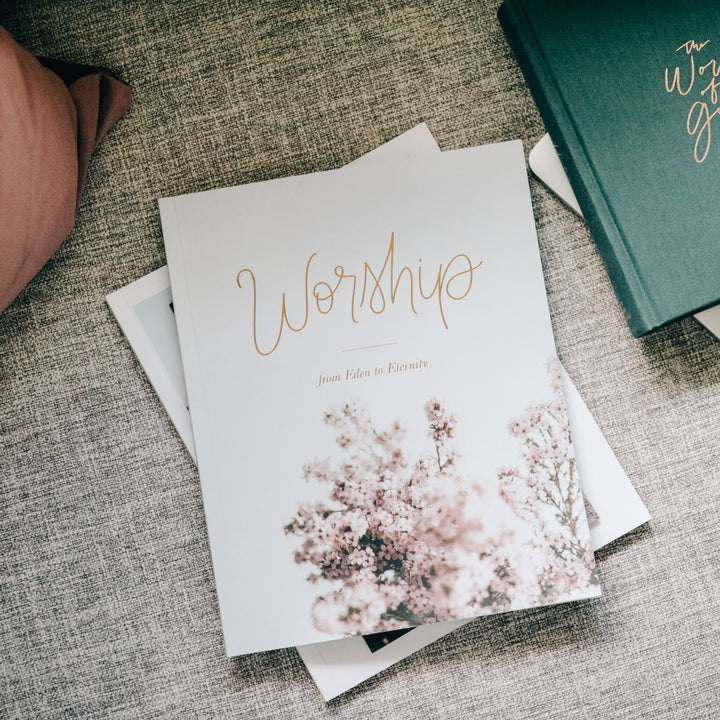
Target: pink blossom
[(411, 541)]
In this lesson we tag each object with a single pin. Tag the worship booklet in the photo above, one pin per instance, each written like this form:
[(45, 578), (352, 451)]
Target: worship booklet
[(144, 311), (378, 415)]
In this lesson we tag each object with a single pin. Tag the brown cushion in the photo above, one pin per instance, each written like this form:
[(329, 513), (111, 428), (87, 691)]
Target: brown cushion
[(48, 129)]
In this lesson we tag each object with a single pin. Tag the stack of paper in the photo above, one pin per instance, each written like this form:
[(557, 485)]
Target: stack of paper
[(378, 415)]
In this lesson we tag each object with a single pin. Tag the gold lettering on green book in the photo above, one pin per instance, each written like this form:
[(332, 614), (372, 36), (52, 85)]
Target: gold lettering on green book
[(684, 76)]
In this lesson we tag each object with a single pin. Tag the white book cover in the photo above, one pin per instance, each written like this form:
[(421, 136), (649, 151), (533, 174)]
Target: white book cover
[(380, 430), (145, 313)]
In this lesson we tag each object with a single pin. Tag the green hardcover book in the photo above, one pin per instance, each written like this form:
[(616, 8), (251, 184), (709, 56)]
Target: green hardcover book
[(629, 93)]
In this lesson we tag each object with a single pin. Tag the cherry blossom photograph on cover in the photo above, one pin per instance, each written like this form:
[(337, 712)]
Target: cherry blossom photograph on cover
[(408, 541)]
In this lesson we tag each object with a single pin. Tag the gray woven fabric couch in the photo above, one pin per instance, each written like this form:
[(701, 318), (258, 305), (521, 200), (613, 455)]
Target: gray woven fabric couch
[(107, 599)]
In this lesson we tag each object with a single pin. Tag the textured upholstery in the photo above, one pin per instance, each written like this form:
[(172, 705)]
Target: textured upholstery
[(107, 599)]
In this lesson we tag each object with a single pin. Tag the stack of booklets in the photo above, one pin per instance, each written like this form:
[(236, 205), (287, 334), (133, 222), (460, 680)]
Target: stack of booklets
[(380, 422)]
